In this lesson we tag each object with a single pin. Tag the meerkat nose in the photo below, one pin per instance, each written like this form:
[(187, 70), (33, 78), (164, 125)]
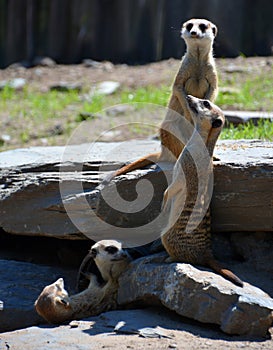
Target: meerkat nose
[(193, 33), (217, 123)]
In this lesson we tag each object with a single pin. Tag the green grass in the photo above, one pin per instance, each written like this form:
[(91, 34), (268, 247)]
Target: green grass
[(33, 104), (263, 131), (149, 94), (253, 94)]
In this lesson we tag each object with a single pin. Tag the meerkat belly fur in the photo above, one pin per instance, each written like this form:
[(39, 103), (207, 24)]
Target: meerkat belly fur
[(196, 76), (188, 235), (56, 306)]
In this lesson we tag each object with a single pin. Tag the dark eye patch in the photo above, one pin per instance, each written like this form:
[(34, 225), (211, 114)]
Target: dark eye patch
[(189, 27), (111, 249), (207, 104), (214, 31), (203, 27)]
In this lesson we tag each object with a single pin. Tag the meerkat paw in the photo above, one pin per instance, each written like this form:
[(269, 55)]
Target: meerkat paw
[(87, 275)]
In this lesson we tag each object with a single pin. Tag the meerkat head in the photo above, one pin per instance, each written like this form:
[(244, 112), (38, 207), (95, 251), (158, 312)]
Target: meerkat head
[(110, 258), (198, 30), (53, 303), (205, 114)]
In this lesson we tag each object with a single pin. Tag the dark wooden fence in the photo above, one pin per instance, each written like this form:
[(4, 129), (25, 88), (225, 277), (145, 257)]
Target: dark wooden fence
[(131, 31)]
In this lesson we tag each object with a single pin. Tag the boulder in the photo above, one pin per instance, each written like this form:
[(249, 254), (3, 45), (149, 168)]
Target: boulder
[(198, 294), (58, 184), (189, 291), (21, 283), (243, 117)]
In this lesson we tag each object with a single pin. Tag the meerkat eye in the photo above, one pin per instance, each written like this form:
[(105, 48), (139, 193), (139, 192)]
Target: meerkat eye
[(202, 27), (111, 249), (214, 31), (207, 104), (189, 27)]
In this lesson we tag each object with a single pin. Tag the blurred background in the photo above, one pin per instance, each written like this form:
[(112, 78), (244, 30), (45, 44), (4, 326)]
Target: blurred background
[(127, 31)]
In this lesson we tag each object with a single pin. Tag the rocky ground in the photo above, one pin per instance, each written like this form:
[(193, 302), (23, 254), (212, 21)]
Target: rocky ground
[(97, 333), (89, 72)]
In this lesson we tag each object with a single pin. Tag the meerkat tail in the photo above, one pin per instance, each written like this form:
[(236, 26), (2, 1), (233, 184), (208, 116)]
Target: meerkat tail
[(227, 274), (138, 164)]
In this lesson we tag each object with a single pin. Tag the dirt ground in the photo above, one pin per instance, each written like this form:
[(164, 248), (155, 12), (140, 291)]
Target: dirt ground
[(156, 73)]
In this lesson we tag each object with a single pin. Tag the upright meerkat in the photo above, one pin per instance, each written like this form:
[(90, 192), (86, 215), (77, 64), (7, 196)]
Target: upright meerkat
[(196, 76), (188, 238), (56, 306)]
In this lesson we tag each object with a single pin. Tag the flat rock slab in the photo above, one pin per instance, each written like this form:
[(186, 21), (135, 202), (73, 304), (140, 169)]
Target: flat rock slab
[(98, 332), (201, 295), (31, 180), (21, 283), (243, 117)]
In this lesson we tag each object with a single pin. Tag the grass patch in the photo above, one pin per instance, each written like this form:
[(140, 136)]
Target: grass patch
[(30, 114), (253, 94), (35, 104), (263, 131)]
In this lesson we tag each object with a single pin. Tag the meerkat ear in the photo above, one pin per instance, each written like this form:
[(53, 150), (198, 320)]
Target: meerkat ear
[(60, 283), (214, 30)]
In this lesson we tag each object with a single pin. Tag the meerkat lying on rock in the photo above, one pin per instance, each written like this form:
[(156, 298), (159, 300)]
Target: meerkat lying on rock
[(196, 76), (188, 235), (56, 306)]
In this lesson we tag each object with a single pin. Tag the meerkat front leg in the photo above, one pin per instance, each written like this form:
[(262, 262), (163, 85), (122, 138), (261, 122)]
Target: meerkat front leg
[(180, 93), (212, 91)]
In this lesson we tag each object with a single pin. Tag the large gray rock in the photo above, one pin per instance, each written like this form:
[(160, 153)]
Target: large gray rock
[(21, 283), (190, 292), (31, 180), (197, 294), (243, 117)]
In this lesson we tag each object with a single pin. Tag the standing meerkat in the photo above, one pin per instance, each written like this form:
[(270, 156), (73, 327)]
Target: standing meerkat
[(56, 306), (196, 76), (189, 239)]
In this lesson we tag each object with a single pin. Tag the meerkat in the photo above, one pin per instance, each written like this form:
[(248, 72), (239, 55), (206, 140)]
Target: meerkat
[(189, 239), (56, 306), (196, 76), (97, 262)]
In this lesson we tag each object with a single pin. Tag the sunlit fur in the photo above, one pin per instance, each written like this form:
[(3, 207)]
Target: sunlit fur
[(187, 237)]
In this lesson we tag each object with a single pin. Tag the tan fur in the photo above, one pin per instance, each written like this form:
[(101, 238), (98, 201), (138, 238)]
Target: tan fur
[(56, 306), (196, 76), (188, 235)]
